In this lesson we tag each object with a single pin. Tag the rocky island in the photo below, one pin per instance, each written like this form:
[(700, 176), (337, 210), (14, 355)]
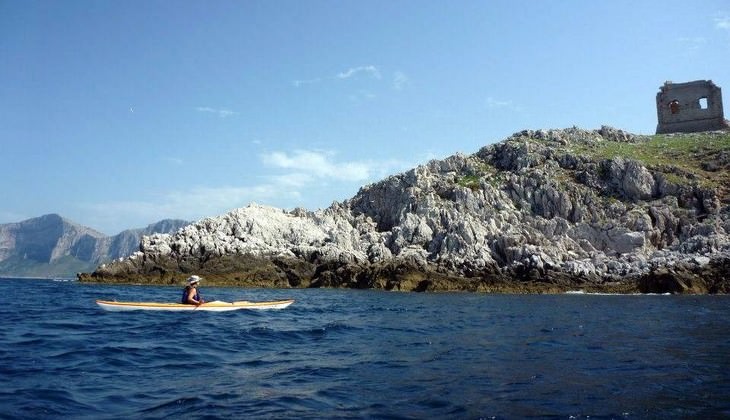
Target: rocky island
[(544, 211)]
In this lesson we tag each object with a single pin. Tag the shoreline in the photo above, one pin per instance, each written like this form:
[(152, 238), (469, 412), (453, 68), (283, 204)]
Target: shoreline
[(685, 277), (515, 287)]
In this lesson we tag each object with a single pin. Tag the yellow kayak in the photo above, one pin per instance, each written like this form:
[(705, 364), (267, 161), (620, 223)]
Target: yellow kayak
[(214, 306)]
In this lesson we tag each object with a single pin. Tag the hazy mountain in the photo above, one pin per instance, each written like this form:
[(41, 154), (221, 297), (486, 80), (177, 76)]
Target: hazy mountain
[(53, 246)]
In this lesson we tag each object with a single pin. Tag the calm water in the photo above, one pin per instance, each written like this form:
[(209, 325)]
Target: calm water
[(362, 354)]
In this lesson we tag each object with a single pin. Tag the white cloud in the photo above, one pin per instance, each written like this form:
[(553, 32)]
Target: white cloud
[(499, 104), (295, 175), (318, 164), (298, 83), (351, 72), (173, 160), (362, 95), (690, 44), (493, 103), (293, 179), (192, 204), (400, 80), (722, 21), (223, 113), (214, 200)]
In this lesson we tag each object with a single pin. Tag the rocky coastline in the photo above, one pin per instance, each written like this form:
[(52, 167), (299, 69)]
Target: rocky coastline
[(544, 211)]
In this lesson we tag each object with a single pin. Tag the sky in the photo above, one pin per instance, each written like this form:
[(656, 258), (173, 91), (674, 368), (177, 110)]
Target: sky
[(117, 114)]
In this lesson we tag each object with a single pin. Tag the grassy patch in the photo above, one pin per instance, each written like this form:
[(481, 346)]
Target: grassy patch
[(678, 150), (474, 175), (686, 152), (469, 181)]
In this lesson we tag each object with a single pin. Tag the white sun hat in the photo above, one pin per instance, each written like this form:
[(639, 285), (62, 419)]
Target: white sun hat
[(193, 280)]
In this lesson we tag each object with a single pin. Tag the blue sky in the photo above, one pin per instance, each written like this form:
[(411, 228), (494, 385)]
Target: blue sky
[(116, 114)]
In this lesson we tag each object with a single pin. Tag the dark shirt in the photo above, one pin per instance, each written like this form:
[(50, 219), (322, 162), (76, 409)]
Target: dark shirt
[(185, 295)]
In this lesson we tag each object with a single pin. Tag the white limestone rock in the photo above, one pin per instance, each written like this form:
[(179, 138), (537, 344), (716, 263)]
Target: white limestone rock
[(517, 205)]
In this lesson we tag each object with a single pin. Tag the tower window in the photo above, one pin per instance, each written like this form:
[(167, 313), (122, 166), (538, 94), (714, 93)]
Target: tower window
[(703, 103)]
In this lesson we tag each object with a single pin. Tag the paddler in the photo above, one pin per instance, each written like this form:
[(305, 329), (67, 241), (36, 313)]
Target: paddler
[(191, 294)]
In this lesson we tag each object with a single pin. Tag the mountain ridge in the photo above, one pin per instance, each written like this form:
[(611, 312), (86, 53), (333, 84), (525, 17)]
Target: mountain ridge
[(542, 211), (54, 246)]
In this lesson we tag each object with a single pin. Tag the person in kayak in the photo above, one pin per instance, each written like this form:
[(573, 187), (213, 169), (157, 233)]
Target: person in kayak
[(191, 294)]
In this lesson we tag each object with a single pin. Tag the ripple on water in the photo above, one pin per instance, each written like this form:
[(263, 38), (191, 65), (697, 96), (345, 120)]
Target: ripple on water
[(355, 354)]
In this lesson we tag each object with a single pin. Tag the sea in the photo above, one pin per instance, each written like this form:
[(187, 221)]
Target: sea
[(361, 354)]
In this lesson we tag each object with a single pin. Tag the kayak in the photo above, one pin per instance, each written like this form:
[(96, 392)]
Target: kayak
[(214, 306)]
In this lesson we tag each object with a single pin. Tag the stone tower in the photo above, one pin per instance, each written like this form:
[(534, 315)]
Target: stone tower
[(689, 107)]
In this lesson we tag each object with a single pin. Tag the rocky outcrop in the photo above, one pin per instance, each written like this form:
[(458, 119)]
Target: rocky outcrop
[(542, 211), (127, 242), (51, 245)]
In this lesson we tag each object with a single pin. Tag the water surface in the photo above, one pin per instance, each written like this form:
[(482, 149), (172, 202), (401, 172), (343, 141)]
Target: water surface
[(362, 354)]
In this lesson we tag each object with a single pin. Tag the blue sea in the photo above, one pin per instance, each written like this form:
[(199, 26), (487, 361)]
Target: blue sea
[(361, 354)]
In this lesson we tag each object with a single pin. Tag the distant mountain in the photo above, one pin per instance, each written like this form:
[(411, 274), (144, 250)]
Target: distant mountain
[(53, 246)]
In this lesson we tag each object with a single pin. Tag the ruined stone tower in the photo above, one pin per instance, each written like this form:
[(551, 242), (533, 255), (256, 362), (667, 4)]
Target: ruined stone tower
[(689, 107)]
